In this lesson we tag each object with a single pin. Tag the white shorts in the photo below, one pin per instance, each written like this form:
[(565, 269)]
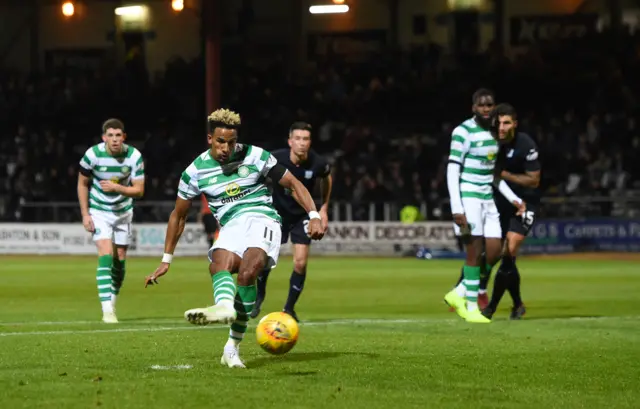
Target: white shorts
[(247, 231), (111, 226), (483, 219)]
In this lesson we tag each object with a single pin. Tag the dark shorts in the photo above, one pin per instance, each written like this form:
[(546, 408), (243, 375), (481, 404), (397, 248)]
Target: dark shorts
[(297, 227), (210, 223), (509, 222)]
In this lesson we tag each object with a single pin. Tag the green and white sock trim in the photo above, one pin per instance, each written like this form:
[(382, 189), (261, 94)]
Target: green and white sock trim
[(472, 282), (224, 288), (244, 303), (104, 282)]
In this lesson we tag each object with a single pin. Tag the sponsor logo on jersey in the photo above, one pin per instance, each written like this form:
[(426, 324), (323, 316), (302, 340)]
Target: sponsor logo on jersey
[(232, 189), (234, 198)]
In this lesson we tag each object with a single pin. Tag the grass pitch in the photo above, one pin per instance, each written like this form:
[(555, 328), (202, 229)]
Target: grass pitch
[(376, 334)]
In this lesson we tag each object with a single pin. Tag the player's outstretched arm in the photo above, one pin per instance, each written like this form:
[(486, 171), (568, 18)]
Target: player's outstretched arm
[(175, 227), (304, 199)]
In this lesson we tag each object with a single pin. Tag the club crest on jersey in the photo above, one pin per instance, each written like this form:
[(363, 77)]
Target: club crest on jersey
[(126, 169), (308, 174), (232, 189), (510, 153), (243, 171), (491, 156)]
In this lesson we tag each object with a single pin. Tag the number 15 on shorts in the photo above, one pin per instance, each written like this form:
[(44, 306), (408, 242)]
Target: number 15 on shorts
[(528, 218)]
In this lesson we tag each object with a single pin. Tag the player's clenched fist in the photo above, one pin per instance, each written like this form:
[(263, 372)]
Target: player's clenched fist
[(87, 222), (460, 219), (316, 231)]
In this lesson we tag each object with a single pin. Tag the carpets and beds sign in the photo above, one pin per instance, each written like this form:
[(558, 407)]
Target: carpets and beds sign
[(569, 236)]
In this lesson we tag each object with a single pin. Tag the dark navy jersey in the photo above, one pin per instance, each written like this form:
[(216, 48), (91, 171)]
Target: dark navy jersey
[(315, 167), (519, 157)]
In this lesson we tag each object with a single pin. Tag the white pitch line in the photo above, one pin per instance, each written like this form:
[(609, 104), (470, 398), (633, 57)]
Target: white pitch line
[(214, 326), (319, 322), (96, 322), (169, 367), (303, 324), (99, 331)]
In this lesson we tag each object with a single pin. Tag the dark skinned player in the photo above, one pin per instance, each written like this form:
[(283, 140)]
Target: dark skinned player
[(470, 177), (232, 176)]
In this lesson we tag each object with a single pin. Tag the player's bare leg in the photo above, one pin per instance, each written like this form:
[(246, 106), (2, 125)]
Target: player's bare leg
[(489, 258), (508, 278), (456, 299), (118, 271), (485, 273), (296, 282), (514, 241), (223, 263), (253, 261), (298, 276), (104, 280), (261, 284), (464, 297)]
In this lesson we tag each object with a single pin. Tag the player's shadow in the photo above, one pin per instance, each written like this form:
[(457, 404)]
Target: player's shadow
[(302, 357), (561, 317)]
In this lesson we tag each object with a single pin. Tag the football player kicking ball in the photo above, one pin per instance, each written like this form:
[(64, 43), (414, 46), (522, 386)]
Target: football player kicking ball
[(519, 166), (307, 166), (232, 177), (470, 176), (111, 176)]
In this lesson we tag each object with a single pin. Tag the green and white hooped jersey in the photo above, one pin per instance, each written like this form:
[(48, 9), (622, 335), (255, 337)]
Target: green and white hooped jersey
[(119, 169), (232, 189), (476, 151)]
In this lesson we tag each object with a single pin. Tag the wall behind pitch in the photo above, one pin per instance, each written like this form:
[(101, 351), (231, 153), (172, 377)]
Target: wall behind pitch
[(15, 37), (93, 27), (169, 34)]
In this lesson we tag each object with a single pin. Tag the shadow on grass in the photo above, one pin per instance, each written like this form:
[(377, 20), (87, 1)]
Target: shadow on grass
[(559, 317), (303, 357)]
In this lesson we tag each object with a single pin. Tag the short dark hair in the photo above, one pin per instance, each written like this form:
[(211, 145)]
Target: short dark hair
[(301, 126), (112, 123), (505, 109), (482, 92)]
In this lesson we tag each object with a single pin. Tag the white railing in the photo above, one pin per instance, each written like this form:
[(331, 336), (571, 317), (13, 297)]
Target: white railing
[(158, 211)]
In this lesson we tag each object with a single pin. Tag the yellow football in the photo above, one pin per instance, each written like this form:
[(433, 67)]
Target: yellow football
[(277, 333)]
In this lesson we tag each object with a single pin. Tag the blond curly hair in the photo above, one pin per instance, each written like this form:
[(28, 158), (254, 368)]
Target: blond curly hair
[(223, 118)]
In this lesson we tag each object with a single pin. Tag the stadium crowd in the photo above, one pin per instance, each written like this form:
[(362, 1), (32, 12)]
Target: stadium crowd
[(384, 122)]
